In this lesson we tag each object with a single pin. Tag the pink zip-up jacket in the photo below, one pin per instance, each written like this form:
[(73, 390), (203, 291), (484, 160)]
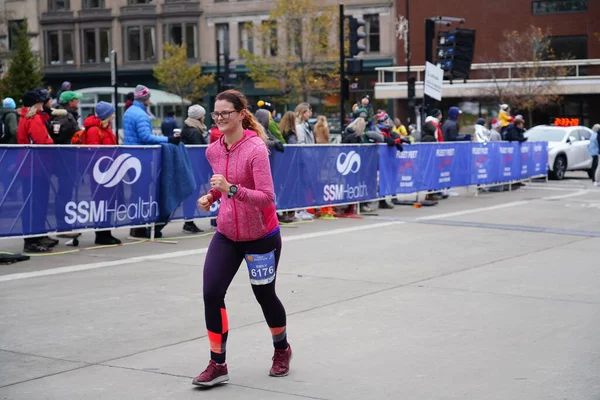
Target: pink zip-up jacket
[(250, 214)]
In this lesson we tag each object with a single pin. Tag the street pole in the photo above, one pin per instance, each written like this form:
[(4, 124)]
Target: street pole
[(411, 99), (113, 78), (218, 74), (429, 37), (342, 72)]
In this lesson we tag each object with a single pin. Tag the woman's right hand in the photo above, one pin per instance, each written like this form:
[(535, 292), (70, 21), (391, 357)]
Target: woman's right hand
[(205, 201)]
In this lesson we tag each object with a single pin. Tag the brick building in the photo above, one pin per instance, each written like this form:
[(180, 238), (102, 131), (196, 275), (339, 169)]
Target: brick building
[(573, 27)]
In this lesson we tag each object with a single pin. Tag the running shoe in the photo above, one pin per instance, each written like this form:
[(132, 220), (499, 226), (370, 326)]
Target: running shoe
[(281, 362), (214, 374)]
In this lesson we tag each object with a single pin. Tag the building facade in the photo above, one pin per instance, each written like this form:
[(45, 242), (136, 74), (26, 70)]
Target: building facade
[(74, 38), (571, 25)]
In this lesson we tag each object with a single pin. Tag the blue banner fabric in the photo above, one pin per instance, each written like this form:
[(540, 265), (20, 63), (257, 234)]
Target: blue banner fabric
[(510, 161), (312, 176), (399, 172), (445, 165), (538, 159), (482, 164), (64, 189)]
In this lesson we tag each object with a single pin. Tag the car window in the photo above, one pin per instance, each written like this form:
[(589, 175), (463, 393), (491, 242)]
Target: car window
[(545, 134), (583, 134)]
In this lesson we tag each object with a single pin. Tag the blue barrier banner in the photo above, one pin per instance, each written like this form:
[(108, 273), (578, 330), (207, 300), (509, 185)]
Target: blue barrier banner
[(311, 176), (482, 164), (509, 161), (526, 150), (399, 172), (445, 165), (65, 189), (538, 159)]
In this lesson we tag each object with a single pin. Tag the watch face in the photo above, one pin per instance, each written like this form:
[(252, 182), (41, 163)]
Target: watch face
[(233, 189)]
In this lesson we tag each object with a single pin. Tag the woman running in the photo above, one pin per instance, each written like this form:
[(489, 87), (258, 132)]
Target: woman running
[(248, 230)]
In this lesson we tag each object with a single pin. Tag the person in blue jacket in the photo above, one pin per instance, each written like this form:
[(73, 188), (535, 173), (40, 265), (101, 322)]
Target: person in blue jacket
[(137, 125), (137, 128)]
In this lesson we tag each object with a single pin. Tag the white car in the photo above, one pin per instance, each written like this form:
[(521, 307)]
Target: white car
[(567, 148)]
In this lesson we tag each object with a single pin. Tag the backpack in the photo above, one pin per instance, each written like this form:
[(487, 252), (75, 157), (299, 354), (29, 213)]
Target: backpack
[(4, 135), (80, 137)]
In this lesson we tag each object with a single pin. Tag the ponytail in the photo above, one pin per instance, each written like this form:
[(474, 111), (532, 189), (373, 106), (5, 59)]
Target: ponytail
[(31, 111), (250, 122)]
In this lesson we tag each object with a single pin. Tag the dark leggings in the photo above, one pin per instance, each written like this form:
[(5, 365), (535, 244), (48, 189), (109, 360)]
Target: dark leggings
[(222, 262)]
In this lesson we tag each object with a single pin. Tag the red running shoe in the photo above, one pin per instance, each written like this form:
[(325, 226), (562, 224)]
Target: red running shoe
[(213, 375), (281, 362)]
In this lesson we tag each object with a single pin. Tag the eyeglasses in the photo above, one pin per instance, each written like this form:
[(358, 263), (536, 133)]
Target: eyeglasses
[(223, 114)]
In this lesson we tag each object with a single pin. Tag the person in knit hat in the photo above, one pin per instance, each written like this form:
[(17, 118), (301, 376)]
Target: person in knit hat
[(137, 125), (194, 132), (137, 128), (32, 130), (9, 121), (273, 126), (98, 131)]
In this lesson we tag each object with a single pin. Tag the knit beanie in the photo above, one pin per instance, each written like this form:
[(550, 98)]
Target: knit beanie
[(196, 111), (104, 110), (141, 93), (31, 98), (9, 103)]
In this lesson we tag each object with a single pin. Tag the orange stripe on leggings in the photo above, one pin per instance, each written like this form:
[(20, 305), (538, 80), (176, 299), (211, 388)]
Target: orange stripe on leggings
[(277, 331), (215, 340), (224, 323)]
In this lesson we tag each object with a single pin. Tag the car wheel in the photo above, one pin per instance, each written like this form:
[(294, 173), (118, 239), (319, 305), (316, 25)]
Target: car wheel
[(560, 167)]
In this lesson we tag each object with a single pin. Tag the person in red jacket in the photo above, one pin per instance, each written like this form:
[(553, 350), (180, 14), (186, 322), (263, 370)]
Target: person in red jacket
[(98, 131), (32, 130)]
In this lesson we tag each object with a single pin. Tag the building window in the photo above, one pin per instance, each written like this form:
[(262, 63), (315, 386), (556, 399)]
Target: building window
[(93, 4), (178, 34), (58, 5), (295, 38), (137, 2), (559, 6), (96, 45), (13, 30), (140, 43), (223, 37), (59, 48), (569, 47), (269, 46), (246, 37), (372, 31)]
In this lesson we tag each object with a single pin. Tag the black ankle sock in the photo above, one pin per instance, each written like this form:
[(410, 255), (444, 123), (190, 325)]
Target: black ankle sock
[(218, 357), (282, 344)]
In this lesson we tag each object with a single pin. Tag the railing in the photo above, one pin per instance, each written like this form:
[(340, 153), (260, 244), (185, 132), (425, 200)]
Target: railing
[(572, 69)]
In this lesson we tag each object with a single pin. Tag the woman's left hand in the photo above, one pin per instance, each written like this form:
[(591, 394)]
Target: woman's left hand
[(220, 183)]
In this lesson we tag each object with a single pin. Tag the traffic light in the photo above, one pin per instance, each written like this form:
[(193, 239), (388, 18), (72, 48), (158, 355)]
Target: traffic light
[(454, 53), (229, 75), (355, 36), (411, 87)]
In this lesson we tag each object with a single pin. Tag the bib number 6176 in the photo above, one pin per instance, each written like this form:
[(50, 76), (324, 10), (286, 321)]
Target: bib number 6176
[(261, 268)]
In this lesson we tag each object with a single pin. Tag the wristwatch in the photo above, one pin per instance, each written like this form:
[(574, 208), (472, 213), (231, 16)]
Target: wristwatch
[(232, 191)]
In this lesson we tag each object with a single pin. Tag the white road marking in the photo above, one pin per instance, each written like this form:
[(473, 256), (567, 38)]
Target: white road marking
[(312, 235)]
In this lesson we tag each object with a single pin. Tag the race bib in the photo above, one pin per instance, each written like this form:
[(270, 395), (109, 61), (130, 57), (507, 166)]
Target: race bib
[(261, 268)]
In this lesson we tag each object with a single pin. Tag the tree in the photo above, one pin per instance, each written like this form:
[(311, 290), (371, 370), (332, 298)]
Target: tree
[(177, 76), (307, 63), (532, 83), (24, 72)]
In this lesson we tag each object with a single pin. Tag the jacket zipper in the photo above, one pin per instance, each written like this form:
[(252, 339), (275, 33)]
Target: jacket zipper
[(237, 229)]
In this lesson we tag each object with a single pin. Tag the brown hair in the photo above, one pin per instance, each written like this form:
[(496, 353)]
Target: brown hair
[(322, 130), (300, 110), (287, 124), (240, 103)]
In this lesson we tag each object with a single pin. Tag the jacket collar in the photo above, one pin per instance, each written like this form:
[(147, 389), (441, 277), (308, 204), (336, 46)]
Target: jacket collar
[(140, 105)]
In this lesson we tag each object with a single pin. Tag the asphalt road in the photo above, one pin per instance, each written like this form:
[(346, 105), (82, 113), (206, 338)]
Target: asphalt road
[(480, 297)]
